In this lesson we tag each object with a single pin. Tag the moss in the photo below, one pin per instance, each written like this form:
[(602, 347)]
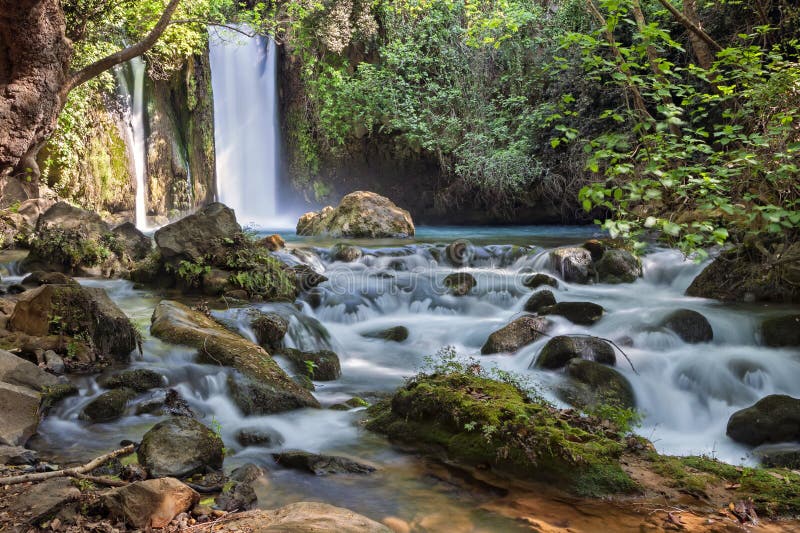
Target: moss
[(484, 422), (54, 394)]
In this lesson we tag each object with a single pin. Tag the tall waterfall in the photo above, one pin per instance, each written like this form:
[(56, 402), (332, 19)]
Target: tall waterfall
[(244, 76), (132, 89)]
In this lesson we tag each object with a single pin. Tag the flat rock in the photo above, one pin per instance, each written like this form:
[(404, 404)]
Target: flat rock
[(152, 503), (301, 517)]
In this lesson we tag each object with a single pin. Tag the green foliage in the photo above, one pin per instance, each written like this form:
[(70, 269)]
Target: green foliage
[(255, 269), (192, 272), (70, 247)]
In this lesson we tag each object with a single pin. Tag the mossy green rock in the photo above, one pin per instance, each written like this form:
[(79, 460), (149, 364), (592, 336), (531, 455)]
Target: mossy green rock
[(319, 366), (581, 313), (781, 331), (108, 406), (478, 421), (179, 447), (176, 323), (618, 266), (596, 384), (269, 329), (774, 418), (345, 253), (139, 379), (561, 349)]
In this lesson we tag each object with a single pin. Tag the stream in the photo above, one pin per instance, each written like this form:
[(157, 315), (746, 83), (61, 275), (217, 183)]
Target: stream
[(686, 392)]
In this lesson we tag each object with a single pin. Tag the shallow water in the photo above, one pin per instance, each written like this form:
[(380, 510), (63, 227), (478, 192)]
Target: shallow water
[(685, 392)]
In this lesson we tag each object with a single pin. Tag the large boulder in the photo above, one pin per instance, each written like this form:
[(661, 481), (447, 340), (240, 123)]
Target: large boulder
[(360, 214), (519, 333), (67, 217), (195, 236), (74, 310), (689, 325), (781, 331), (179, 447), (150, 504), (134, 244), (618, 266), (18, 371), (301, 517), (560, 350), (573, 264), (582, 313), (19, 414), (774, 418), (596, 384), (267, 388)]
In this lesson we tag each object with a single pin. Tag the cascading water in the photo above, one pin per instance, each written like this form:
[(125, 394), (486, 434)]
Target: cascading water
[(244, 76), (133, 91)]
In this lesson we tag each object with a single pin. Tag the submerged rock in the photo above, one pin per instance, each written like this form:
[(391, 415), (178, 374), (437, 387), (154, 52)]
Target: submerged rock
[(108, 406), (560, 350), (302, 517), (521, 332), (259, 437), (269, 329), (179, 447), (139, 379), (781, 331), (596, 384), (394, 334), (194, 237), (267, 390), (460, 283), (573, 264), (359, 215), (322, 365), (689, 325), (618, 266), (152, 503), (582, 313), (537, 280), (774, 418), (538, 300), (320, 465)]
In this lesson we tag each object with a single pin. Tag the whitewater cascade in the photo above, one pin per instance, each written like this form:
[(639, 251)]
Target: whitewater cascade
[(244, 77), (132, 89)]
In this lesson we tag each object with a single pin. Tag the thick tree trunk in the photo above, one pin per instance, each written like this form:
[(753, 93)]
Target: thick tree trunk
[(34, 61), (702, 50)]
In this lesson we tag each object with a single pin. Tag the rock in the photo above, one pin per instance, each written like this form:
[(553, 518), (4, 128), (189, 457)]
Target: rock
[(782, 455), (537, 280), (17, 455), (133, 243), (519, 333), (55, 393), (139, 379), (179, 447), (272, 242), (240, 494), (216, 281), (689, 325), (152, 503), (746, 274), (459, 253), (301, 517), (596, 248), (30, 210), (269, 329), (19, 414), (40, 277), (68, 217), (319, 366), (171, 405), (774, 418), (560, 350), (538, 300), (108, 406), (268, 389), (54, 362), (582, 313), (133, 472), (43, 500), (573, 264), (195, 236), (359, 215), (17, 371), (320, 465), (460, 283), (618, 266), (394, 334), (781, 331), (345, 253), (597, 384), (259, 437), (81, 311), (306, 277)]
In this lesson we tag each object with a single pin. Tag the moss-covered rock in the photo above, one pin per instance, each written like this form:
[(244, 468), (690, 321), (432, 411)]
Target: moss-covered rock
[(582, 313), (774, 418), (460, 283), (268, 389), (139, 379), (269, 329), (539, 300), (689, 325), (537, 280), (521, 332), (360, 214), (345, 253), (108, 406), (479, 421), (594, 384), (618, 266), (781, 331), (179, 447), (561, 349), (319, 366)]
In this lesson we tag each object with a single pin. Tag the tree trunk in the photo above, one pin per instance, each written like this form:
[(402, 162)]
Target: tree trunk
[(702, 51), (34, 63)]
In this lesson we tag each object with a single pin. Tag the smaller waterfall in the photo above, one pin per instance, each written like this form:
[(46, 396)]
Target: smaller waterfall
[(246, 130), (133, 91)]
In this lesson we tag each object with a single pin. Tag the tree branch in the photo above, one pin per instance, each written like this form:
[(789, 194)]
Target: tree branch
[(215, 24), (683, 19), (126, 54), (68, 472)]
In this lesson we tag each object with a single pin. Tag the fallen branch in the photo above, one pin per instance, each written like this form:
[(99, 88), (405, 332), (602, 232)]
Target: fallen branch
[(100, 480), (75, 471)]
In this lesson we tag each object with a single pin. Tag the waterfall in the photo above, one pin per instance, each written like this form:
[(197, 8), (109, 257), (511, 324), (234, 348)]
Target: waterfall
[(132, 89), (244, 77)]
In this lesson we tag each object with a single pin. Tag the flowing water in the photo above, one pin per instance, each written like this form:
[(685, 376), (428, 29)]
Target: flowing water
[(686, 392), (244, 76)]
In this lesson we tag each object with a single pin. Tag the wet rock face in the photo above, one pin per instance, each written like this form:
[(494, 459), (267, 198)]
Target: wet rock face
[(539, 300), (537, 280), (394, 334), (139, 379), (774, 418), (560, 350), (618, 266), (152, 503), (521, 332), (179, 447), (360, 214), (345, 253), (108, 406), (240, 493), (689, 325), (195, 236), (596, 384), (322, 365), (460, 283), (573, 264), (259, 437), (781, 331), (135, 244), (582, 313), (269, 328), (320, 465)]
